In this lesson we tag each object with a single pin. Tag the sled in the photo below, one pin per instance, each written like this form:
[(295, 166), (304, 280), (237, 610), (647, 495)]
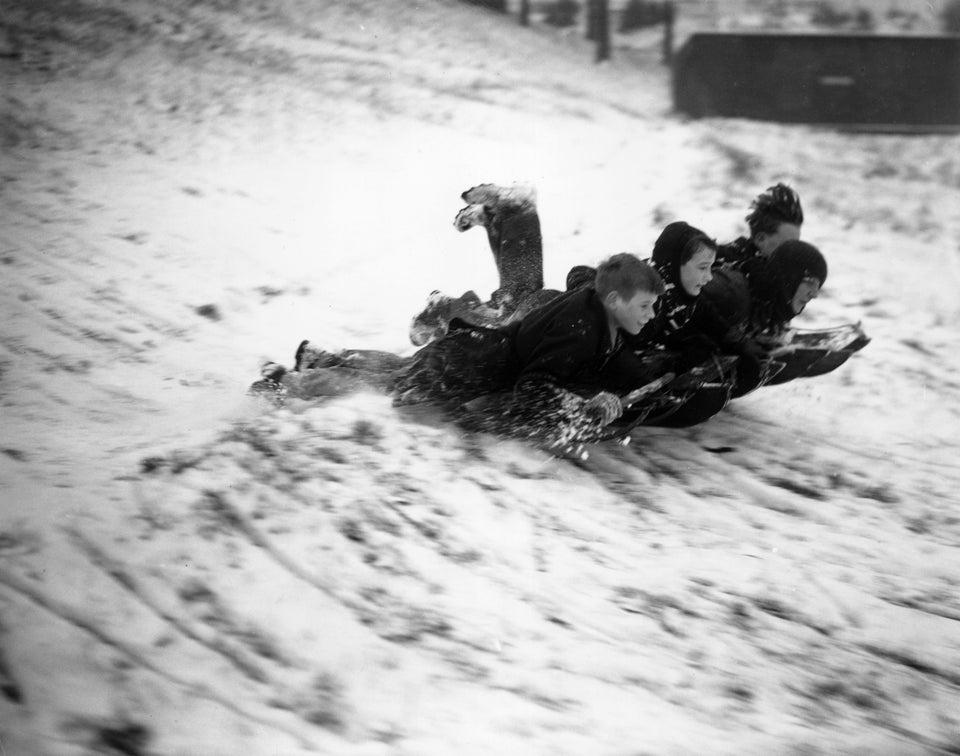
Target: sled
[(639, 405), (695, 408), (483, 413), (806, 354), (699, 394), (686, 399)]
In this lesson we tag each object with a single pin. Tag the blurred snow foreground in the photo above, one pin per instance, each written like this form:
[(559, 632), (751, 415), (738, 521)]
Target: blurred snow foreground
[(189, 187)]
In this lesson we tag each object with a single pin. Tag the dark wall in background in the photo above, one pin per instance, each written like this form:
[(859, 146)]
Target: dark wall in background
[(869, 81), (497, 5)]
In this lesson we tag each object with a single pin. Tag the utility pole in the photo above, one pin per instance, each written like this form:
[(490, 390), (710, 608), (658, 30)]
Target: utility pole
[(601, 28), (669, 16)]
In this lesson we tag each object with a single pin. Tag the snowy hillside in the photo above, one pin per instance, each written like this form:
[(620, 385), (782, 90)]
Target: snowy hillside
[(191, 188)]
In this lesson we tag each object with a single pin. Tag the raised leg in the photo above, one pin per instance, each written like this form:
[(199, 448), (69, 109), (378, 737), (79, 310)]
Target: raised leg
[(509, 215)]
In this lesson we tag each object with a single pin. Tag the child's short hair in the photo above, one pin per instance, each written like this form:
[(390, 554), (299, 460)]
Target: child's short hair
[(777, 205), (626, 275)]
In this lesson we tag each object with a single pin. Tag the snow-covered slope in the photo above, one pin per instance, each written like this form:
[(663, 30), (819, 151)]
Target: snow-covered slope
[(189, 189)]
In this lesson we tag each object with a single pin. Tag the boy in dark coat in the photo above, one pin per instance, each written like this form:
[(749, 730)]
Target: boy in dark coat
[(775, 217), (544, 376), (683, 256), (746, 311), (553, 361)]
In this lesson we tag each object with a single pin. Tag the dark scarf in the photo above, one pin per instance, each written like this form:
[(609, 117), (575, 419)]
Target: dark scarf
[(736, 253)]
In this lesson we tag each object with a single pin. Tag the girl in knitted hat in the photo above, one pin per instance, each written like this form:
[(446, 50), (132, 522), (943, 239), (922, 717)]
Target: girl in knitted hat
[(745, 312), (684, 257)]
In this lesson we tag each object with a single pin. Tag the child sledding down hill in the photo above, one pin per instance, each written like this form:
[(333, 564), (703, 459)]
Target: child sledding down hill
[(775, 216), (552, 365), (746, 312), (684, 336), (741, 312), (670, 344), (683, 255), (551, 375), (554, 373)]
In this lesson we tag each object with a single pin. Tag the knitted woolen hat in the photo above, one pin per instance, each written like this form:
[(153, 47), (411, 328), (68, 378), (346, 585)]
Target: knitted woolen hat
[(669, 248), (793, 261)]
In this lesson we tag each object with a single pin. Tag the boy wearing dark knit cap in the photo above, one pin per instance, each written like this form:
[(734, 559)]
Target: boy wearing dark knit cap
[(744, 311), (775, 216)]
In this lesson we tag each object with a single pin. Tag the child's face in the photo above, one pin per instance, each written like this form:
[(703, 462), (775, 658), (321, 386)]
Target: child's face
[(695, 272), (767, 242), (631, 314), (809, 289)]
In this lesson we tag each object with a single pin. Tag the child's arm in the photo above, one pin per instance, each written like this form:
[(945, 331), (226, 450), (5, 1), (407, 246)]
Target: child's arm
[(544, 393)]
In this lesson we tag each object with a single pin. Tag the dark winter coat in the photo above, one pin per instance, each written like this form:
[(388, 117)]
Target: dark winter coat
[(539, 370), (741, 306), (671, 326), (565, 342), (724, 315), (743, 311), (736, 253), (675, 307)]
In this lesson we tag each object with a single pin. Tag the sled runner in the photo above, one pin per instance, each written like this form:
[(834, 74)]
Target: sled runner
[(686, 399), (697, 395), (810, 353), (639, 405)]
